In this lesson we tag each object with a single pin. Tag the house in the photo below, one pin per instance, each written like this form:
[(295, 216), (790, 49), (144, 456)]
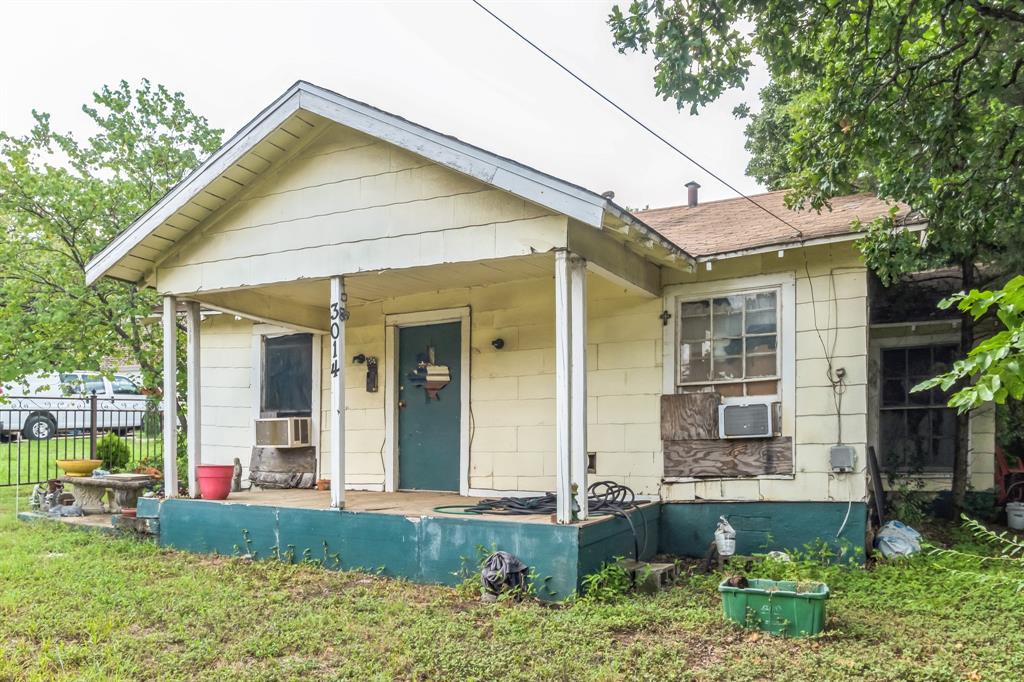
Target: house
[(451, 320)]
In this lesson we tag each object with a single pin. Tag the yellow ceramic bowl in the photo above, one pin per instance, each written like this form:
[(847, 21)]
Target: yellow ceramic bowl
[(79, 467)]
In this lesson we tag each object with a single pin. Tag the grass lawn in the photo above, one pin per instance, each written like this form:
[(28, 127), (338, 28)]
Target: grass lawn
[(78, 605), (38, 456)]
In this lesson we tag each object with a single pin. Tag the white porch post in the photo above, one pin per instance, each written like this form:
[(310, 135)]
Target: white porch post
[(170, 397), (578, 371), (194, 397), (339, 314), (563, 388)]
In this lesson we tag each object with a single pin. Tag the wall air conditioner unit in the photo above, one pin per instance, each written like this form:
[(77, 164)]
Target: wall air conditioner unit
[(751, 419), (283, 432)]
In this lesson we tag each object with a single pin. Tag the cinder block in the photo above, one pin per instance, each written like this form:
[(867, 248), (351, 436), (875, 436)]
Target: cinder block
[(648, 577), (536, 438), (518, 464), (741, 489), (631, 409), (851, 312), (537, 483), (844, 487), (824, 429), (626, 354), (494, 388), (814, 372), (836, 342), (678, 492), (481, 463), (644, 485), (820, 401), (621, 328), (838, 286), (514, 412), (537, 386), (606, 382), (494, 439), (643, 437), (606, 437), (644, 380)]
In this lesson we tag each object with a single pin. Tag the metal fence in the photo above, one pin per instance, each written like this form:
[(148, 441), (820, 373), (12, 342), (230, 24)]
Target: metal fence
[(35, 432)]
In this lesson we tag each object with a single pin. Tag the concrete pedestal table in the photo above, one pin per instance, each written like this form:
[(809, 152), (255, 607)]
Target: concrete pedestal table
[(90, 490)]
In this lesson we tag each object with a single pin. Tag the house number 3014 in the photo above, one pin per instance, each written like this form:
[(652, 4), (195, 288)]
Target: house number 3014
[(339, 313)]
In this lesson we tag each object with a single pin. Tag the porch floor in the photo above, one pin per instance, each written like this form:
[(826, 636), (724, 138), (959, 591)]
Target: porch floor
[(406, 503)]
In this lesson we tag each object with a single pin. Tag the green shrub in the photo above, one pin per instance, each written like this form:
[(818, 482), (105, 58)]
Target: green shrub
[(114, 451), (609, 584)]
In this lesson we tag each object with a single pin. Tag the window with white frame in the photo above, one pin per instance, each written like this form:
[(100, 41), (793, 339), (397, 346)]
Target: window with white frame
[(729, 343)]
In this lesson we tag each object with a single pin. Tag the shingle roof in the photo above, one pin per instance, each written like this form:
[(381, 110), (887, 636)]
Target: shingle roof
[(728, 225)]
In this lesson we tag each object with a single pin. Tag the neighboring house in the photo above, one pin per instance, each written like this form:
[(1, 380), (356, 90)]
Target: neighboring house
[(524, 332)]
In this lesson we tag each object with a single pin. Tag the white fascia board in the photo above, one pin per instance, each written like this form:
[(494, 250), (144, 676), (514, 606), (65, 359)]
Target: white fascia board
[(194, 183), (799, 244), (674, 251)]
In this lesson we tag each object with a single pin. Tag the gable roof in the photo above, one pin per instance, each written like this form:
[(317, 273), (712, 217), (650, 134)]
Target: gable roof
[(285, 123), (730, 225)]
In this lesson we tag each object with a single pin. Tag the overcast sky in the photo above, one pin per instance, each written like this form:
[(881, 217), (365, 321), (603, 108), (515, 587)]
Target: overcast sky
[(446, 65)]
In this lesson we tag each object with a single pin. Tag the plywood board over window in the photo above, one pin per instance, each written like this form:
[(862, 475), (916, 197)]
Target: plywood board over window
[(693, 449)]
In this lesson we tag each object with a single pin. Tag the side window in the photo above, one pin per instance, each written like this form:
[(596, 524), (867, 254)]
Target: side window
[(729, 344), (124, 386), (70, 384), (287, 376), (93, 383), (918, 431)]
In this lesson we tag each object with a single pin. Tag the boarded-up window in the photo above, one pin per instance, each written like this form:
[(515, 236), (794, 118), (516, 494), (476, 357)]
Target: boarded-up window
[(729, 344), (287, 376), (917, 431)]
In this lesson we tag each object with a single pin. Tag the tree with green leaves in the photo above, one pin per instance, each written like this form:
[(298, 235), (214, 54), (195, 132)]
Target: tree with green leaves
[(918, 101), (62, 199), (993, 370)]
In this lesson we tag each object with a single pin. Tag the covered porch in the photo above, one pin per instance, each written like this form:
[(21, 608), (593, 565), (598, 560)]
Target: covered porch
[(521, 321)]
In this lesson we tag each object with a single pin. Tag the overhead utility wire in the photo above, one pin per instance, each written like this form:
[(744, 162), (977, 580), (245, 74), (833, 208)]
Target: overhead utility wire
[(836, 382), (638, 121)]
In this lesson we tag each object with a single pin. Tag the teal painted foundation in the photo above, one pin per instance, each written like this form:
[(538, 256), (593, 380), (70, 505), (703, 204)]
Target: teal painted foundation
[(423, 549), (445, 549), (687, 528)]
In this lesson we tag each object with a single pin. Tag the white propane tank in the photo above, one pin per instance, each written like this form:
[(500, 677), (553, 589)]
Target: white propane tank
[(725, 538)]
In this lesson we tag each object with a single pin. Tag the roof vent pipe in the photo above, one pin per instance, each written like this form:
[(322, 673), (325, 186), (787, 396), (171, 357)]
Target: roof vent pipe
[(691, 193)]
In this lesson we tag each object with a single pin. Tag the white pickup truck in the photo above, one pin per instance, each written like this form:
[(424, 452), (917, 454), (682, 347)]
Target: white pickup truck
[(41, 406)]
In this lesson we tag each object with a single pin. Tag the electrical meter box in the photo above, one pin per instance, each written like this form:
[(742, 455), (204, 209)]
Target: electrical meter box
[(842, 458)]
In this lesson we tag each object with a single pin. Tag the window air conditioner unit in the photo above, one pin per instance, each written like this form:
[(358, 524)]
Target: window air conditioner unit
[(283, 432), (752, 419)]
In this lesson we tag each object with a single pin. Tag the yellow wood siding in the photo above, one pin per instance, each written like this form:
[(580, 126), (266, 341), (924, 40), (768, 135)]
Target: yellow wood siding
[(349, 203)]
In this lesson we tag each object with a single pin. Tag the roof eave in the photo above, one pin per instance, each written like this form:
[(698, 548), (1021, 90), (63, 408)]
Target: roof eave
[(800, 243), (545, 190)]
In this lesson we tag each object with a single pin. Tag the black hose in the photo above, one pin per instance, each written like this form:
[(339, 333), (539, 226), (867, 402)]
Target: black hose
[(603, 498)]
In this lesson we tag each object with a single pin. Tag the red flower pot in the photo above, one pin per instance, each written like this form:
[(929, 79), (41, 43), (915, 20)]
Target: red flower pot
[(214, 480)]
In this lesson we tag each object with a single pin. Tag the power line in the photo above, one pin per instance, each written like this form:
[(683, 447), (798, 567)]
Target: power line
[(640, 123)]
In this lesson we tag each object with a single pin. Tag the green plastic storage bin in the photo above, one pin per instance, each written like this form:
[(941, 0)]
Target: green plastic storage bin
[(781, 607)]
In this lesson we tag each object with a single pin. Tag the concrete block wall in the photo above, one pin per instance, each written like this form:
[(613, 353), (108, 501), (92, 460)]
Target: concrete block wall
[(513, 389), (830, 314), (226, 375)]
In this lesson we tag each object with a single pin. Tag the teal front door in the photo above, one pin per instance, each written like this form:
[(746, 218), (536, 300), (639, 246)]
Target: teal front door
[(429, 406)]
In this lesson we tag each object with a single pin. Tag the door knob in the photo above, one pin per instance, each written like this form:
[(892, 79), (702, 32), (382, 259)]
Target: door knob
[(401, 404)]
